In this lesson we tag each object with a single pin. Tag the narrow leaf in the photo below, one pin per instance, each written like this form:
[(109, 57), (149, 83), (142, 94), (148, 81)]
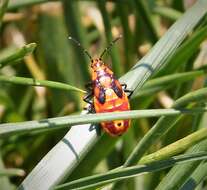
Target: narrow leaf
[(66, 121), (36, 82), (167, 12), (161, 83), (177, 176), (185, 51), (176, 147), (197, 177)]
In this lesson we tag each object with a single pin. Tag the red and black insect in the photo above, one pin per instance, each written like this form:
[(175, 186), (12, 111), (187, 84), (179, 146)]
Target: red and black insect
[(106, 94)]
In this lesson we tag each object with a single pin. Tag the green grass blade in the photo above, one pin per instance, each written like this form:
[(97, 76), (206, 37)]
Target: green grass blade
[(17, 55), (123, 11), (124, 173), (36, 82), (25, 103), (176, 147), (185, 51), (107, 26), (196, 178), (77, 31), (178, 77), (142, 10), (167, 12), (154, 85), (58, 65), (177, 176), (135, 79), (195, 96), (66, 121), (3, 8)]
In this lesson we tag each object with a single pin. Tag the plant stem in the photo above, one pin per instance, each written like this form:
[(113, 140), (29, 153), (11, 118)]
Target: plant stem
[(17, 55)]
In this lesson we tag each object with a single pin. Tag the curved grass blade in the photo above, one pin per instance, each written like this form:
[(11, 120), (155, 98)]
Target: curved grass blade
[(107, 26), (162, 83), (196, 178), (66, 121), (36, 82), (51, 170), (142, 9), (185, 51), (77, 31), (167, 12), (125, 173), (176, 147), (123, 12), (177, 176), (17, 55), (178, 77)]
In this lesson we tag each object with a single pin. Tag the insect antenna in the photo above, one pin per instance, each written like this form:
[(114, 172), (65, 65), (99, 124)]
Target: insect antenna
[(79, 45), (110, 45)]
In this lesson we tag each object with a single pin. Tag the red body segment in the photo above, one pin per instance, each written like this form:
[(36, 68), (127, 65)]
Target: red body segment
[(109, 97)]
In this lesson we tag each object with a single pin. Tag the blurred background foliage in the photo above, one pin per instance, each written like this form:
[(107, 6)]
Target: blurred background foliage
[(95, 24)]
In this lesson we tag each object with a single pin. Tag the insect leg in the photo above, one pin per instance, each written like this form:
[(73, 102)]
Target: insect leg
[(124, 85), (88, 99), (129, 91), (91, 109)]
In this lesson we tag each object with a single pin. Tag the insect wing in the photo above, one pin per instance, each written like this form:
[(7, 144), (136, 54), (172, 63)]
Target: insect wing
[(117, 88), (100, 94)]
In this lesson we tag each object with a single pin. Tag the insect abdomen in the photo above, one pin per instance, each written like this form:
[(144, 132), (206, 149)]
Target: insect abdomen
[(113, 104)]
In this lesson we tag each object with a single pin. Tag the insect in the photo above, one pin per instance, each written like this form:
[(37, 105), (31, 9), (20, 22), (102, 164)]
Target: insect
[(106, 94)]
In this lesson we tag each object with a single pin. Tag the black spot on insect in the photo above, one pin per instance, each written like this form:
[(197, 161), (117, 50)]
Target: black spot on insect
[(101, 96), (117, 90), (119, 124)]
